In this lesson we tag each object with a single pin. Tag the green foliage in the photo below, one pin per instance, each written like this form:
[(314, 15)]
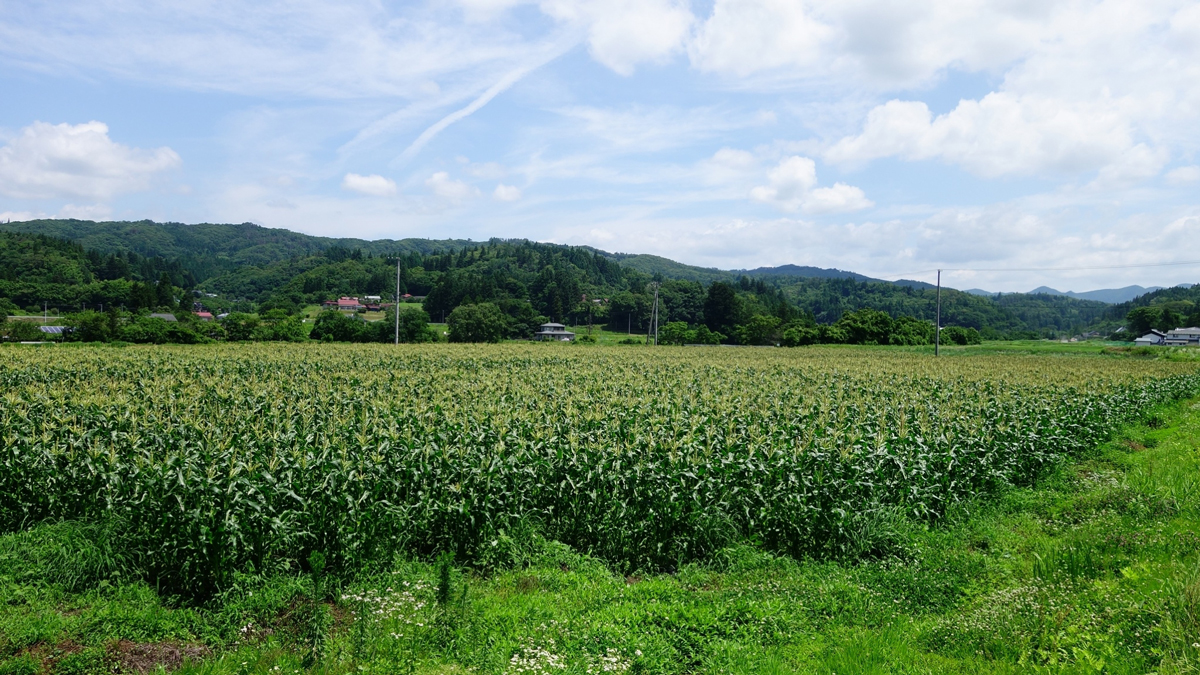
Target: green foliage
[(722, 309), (20, 331), (238, 458), (676, 333), (1162, 317), (149, 266), (866, 327), (72, 556), (280, 328), (759, 330), (333, 326), (93, 326), (414, 326), (960, 336), (144, 329), (907, 330), (1092, 570), (22, 665), (445, 585), (483, 322), (799, 336), (240, 327)]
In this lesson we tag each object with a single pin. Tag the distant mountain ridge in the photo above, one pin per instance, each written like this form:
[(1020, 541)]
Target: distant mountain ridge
[(804, 271), (1111, 296), (228, 245), (275, 267)]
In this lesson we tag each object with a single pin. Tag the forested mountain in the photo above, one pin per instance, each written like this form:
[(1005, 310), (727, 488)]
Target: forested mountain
[(1111, 296), (1163, 309), (37, 269), (804, 271), (250, 268), (1182, 297), (828, 299), (207, 249)]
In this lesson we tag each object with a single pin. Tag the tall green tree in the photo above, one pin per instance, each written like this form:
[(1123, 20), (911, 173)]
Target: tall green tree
[(483, 322), (761, 329), (866, 327), (722, 308)]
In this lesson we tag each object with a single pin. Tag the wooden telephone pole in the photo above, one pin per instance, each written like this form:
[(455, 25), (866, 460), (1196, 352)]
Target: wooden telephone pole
[(653, 330), (396, 302), (937, 328)]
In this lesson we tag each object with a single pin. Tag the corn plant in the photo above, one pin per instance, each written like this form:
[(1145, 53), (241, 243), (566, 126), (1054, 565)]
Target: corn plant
[(214, 459)]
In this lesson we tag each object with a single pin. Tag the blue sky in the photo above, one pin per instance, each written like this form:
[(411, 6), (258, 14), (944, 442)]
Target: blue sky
[(882, 137)]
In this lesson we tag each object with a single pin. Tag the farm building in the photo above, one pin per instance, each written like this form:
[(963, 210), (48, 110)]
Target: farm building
[(344, 304), (1152, 338), (1181, 337), (164, 316), (554, 331)]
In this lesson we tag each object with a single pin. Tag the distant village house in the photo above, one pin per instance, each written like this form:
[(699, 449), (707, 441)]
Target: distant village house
[(1178, 337), (1182, 337), (344, 304), (554, 331)]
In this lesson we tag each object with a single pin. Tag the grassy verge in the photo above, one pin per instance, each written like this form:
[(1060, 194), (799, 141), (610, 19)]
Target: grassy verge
[(1096, 570)]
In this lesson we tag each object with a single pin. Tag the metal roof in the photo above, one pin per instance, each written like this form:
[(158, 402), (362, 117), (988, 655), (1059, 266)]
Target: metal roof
[(53, 330)]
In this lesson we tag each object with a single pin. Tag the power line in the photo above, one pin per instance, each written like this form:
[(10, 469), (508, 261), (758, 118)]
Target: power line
[(1044, 269)]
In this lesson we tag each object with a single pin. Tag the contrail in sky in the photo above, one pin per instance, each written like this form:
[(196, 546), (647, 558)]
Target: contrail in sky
[(509, 79)]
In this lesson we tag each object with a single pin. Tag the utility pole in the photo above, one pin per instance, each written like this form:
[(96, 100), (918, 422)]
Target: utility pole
[(937, 328), (45, 313), (396, 301), (653, 329)]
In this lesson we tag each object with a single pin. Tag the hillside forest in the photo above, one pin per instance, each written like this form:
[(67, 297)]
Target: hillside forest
[(106, 278)]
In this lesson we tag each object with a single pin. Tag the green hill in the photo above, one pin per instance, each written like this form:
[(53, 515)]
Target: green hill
[(208, 249), (250, 267)]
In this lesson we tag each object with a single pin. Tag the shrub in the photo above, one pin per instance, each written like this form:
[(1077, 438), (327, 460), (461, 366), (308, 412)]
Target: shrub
[(483, 322)]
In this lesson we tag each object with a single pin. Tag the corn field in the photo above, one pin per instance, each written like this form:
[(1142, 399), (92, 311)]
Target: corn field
[(208, 460)]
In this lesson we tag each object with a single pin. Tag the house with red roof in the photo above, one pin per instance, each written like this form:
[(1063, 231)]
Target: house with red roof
[(344, 304)]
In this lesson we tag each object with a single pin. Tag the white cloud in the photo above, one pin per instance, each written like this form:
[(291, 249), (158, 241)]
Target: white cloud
[(507, 193), (728, 166), (6, 216), (373, 185), (318, 49), (791, 186), (1184, 175), (447, 188), (624, 33), (742, 37), (643, 129), (46, 161), (1003, 134), (485, 170), (840, 198), (85, 212)]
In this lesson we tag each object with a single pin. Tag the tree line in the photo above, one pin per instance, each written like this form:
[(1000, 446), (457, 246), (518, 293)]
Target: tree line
[(528, 283)]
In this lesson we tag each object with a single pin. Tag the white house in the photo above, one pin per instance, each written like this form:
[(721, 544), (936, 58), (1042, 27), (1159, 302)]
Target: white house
[(1180, 337), (554, 331), (1152, 338)]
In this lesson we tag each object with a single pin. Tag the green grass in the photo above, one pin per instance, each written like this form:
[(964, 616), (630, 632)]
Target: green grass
[(1095, 570)]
